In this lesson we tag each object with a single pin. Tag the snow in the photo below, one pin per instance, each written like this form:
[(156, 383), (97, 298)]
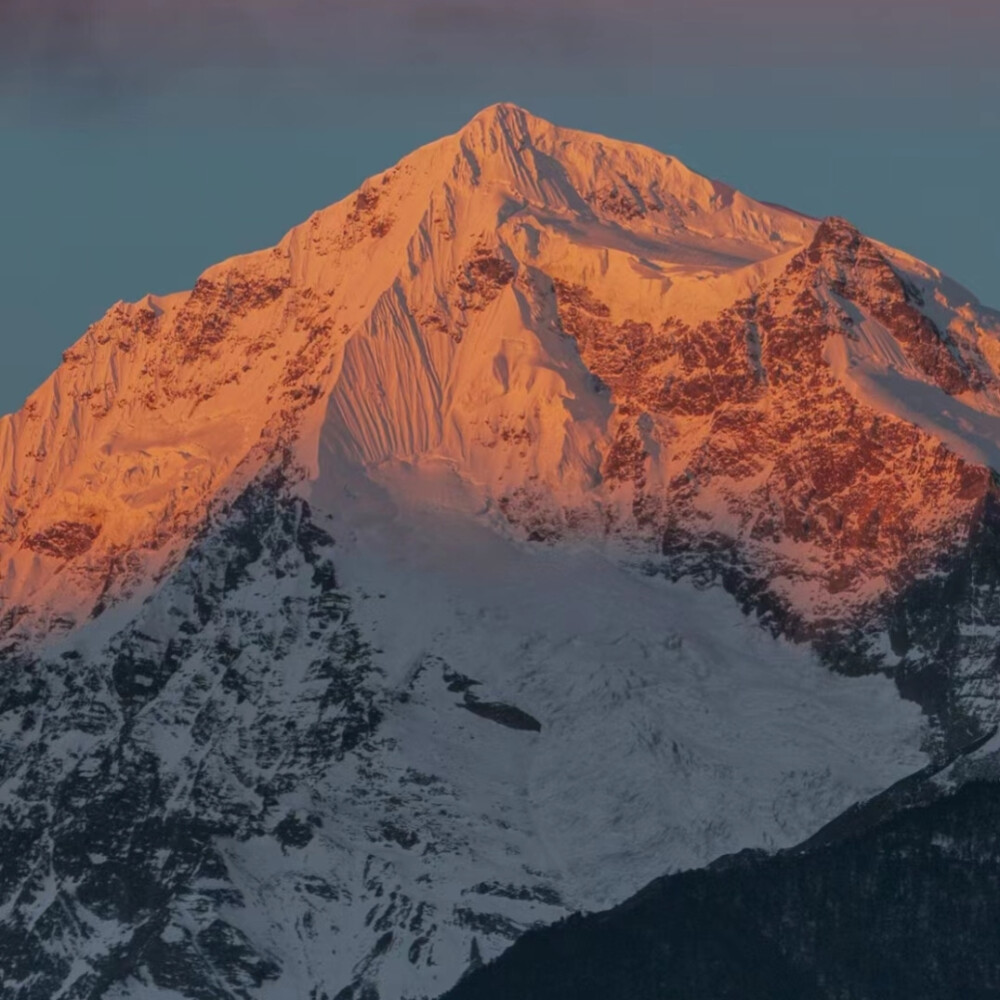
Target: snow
[(673, 729), (875, 370)]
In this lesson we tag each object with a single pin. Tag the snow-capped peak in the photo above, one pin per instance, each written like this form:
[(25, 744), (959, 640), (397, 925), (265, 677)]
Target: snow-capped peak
[(568, 322), (402, 585)]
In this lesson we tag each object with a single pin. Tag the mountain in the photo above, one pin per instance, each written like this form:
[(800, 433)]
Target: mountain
[(904, 910), (538, 520)]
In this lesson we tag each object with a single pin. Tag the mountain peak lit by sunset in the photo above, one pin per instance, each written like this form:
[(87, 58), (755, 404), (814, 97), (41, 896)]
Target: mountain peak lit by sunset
[(545, 572)]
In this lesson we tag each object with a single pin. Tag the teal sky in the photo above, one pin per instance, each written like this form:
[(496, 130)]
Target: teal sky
[(141, 142)]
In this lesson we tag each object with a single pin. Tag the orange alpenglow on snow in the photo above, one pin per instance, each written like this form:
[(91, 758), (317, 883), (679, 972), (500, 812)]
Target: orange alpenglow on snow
[(572, 336)]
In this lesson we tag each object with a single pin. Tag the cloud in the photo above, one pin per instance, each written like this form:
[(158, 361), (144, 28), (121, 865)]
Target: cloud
[(105, 51)]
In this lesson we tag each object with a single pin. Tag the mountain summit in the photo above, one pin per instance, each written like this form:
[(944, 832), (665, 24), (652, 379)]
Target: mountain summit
[(406, 319), (541, 518)]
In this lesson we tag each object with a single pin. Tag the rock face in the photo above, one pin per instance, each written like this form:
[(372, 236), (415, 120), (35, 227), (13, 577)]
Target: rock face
[(401, 587), (183, 736)]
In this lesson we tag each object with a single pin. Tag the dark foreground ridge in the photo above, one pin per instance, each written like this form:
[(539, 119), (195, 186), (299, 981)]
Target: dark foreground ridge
[(909, 910)]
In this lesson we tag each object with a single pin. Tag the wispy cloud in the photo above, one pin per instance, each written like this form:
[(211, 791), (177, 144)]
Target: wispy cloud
[(109, 50)]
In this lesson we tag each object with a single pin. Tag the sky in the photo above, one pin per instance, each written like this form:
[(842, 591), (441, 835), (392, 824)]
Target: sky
[(143, 140)]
